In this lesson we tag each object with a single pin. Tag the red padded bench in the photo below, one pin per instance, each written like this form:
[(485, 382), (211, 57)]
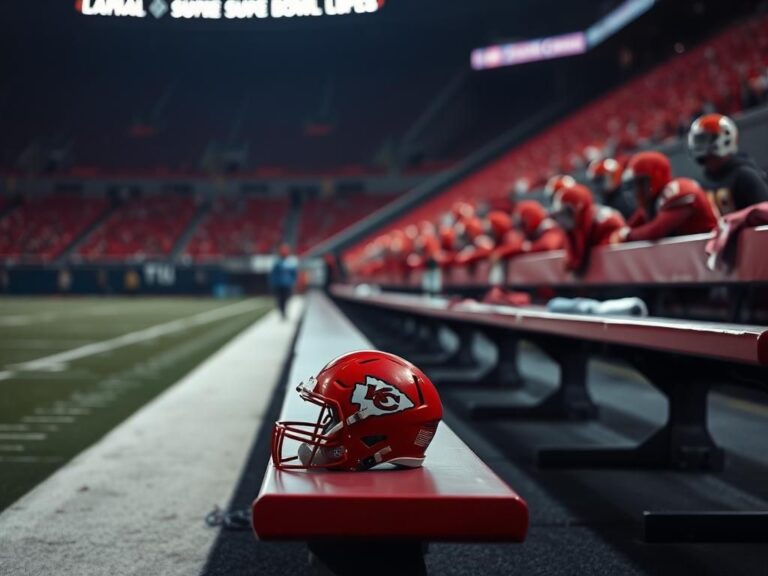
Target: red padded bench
[(682, 359), (454, 497)]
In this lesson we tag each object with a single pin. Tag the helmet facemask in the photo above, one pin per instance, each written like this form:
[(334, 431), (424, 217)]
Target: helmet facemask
[(565, 214), (703, 145), (319, 443)]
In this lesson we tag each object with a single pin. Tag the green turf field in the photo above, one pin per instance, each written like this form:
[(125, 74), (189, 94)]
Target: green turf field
[(72, 369)]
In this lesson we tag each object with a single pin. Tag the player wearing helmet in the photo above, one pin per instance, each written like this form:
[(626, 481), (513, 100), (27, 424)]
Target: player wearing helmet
[(666, 206), (735, 181), (555, 184), (534, 231), (484, 236), (586, 224), (605, 177), (373, 408)]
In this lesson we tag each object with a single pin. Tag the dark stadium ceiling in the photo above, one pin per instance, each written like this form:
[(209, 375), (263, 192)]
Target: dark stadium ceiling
[(402, 26), (505, 17), (49, 37)]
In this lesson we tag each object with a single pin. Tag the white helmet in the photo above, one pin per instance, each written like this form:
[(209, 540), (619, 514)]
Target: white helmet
[(713, 135)]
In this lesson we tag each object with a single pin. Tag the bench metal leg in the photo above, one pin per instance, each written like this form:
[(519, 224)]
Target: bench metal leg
[(669, 527), (505, 373), (370, 557), (462, 357), (683, 443), (571, 400)]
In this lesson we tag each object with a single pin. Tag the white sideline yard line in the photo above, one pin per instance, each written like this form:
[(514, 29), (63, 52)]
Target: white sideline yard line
[(135, 502), (48, 419), (11, 320), (22, 437), (55, 361)]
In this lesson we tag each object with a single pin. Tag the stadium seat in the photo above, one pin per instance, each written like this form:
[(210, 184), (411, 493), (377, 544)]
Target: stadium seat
[(321, 218), (239, 227), (43, 227), (140, 228)]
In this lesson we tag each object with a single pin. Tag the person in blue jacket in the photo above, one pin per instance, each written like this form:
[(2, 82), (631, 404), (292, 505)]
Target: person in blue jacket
[(282, 278)]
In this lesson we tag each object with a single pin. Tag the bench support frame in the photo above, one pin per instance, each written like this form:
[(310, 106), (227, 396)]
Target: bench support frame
[(669, 527), (571, 400), (682, 443), (352, 557)]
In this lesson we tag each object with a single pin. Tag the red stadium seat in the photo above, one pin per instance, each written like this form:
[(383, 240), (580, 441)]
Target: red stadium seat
[(140, 228), (239, 227), (322, 218), (42, 228)]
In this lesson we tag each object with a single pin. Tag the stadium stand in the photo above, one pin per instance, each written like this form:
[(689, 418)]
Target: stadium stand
[(440, 500), (41, 228), (726, 73), (140, 227), (239, 227), (323, 217)]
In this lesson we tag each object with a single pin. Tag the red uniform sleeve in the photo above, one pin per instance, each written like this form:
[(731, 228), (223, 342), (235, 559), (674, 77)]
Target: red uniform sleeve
[(637, 219), (511, 245), (552, 239), (664, 225)]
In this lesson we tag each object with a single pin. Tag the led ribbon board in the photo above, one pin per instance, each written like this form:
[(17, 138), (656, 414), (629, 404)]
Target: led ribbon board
[(225, 9), (560, 46), (529, 51)]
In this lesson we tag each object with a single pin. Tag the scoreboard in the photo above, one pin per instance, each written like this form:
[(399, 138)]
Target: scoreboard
[(225, 9)]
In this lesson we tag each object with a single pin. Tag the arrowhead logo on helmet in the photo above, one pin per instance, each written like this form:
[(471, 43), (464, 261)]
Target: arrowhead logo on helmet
[(377, 398), (372, 408)]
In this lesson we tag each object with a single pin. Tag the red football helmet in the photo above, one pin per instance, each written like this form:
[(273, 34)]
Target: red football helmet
[(498, 223), (713, 135), (570, 204), (462, 211), (648, 173), (529, 216), (556, 183), (605, 175), (374, 408)]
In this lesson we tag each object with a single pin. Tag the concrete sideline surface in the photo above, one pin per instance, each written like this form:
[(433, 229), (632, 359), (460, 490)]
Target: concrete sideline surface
[(134, 503)]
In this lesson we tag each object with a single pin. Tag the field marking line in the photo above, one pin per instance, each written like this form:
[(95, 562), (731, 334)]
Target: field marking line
[(151, 333), (23, 437), (14, 427), (11, 320), (48, 419)]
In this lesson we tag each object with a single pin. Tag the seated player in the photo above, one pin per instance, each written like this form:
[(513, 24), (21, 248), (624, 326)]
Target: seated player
[(449, 244), (374, 256), (557, 183), (605, 177), (427, 248), (484, 236), (666, 206), (733, 178), (535, 232), (476, 243), (400, 248), (586, 224)]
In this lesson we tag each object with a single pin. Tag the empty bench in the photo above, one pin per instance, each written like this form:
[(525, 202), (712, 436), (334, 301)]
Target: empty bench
[(682, 359), (380, 520)]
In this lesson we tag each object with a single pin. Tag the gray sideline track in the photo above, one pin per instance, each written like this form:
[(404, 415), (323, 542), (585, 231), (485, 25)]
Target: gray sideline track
[(582, 521)]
